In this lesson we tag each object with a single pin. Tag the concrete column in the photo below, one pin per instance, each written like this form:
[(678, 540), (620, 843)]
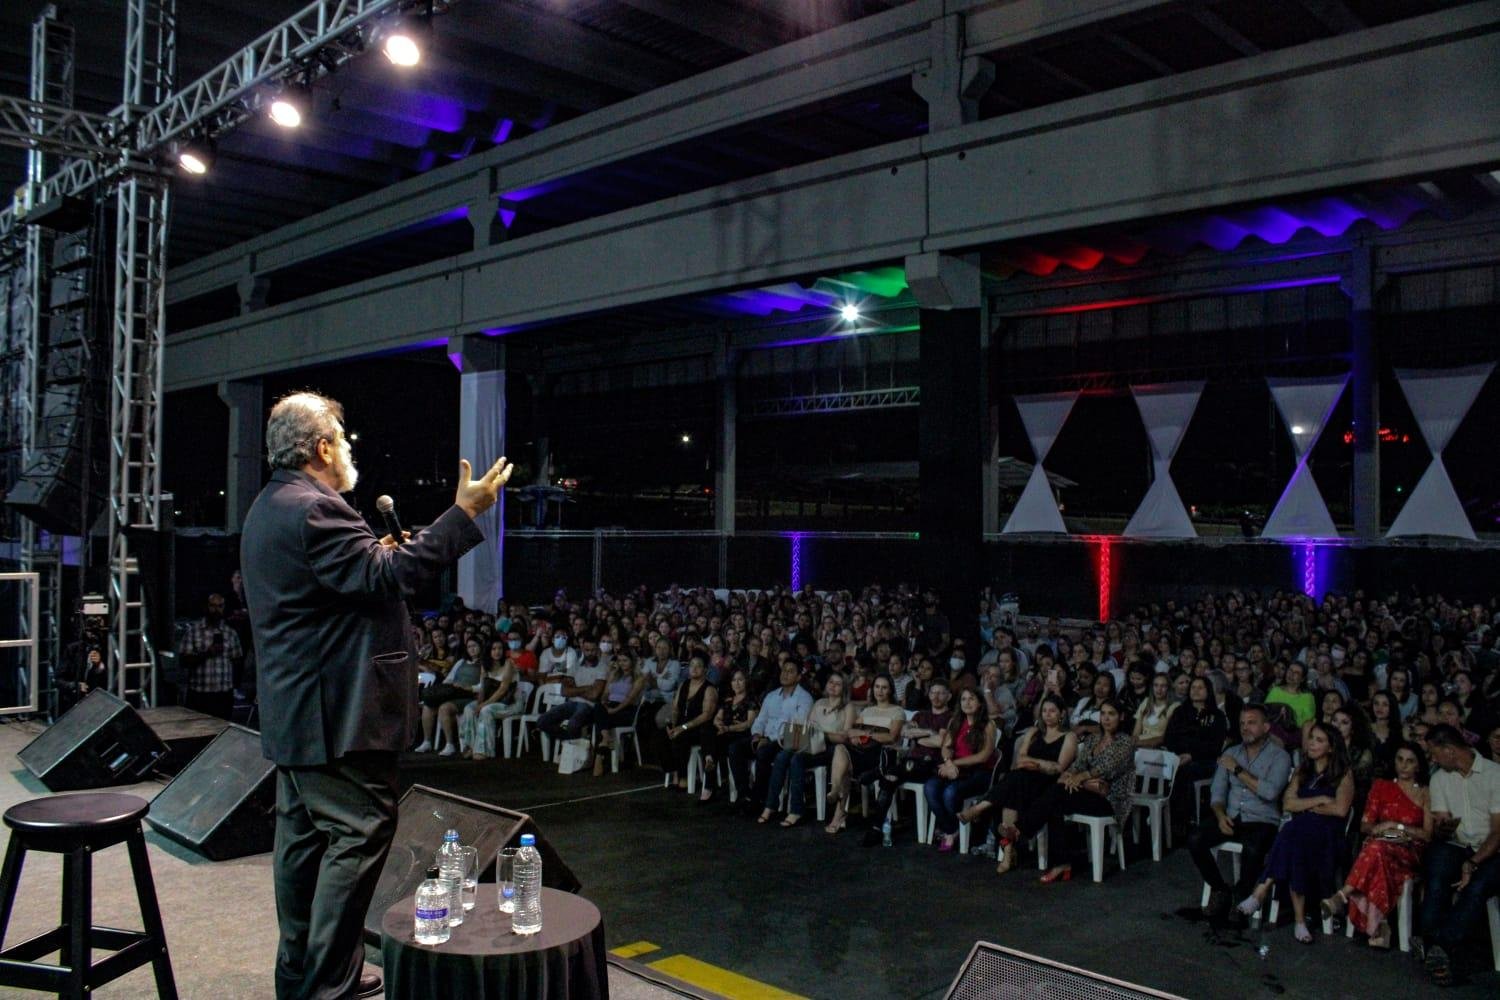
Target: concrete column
[(952, 85), (951, 431), (727, 366), (247, 448), (253, 289), (989, 469), (481, 440), (1361, 283), (483, 209)]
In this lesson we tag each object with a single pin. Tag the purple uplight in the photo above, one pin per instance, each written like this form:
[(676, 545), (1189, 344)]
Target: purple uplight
[(502, 131), (796, 561), (1271, 286), (527, 193)]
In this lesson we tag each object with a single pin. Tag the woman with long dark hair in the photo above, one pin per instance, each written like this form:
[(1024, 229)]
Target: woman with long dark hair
[(1306, 851), (1397, 825), (968, 750)]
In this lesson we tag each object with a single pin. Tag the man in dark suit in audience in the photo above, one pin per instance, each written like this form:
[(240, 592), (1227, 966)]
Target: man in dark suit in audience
[(338, 682)]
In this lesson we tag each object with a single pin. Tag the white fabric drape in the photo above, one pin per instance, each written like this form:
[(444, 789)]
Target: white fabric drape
[(481, 439), (1044, 416), (1166, 411), (1305, 404), (1439, 400)]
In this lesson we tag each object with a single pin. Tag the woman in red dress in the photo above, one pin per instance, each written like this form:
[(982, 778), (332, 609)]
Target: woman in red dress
[(1397, 825)]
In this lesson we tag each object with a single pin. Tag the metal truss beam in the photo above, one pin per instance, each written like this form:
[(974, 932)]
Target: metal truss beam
[(319, 38), (1259, 128), (53, 129), (897, 397), (888, 46)]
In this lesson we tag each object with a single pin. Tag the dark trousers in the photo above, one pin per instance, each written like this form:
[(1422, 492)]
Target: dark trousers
[(946, 797), (890, 779), (1049, 810), (334, 824), (1254, 838), (789, 770), (1445, 917), (215, 703), (566, 721), (1183, 792), (740, 755)]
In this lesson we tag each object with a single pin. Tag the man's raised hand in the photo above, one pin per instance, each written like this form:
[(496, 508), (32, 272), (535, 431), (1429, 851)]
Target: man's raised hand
[(476, 496)]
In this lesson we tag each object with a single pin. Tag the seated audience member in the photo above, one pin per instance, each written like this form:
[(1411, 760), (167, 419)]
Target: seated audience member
[(1329, 702), (786, 704), (878, 726), (968, 759), (732, 723), (624, 694), (1097, 784), (1398, 684), (1137, 690), (1085, 715), (1385, 731), (901, 681), (1153, 712), (1243, 683), (926, 733), (583, 689), (999, 700), (1397, 826), (663, 672), (443, 700), (558, 658), (830, 718), (1429, 697), (1449, 713), (1045, 752), (1490, 748), (497, 700), (1354, 727), (1291, 693), (525, 660), (1307, 848), (1463, 861), (1196, 733), (859, 683), (693, 711)]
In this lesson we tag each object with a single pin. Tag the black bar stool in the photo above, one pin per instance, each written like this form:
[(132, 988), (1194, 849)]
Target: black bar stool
[(76, 826)]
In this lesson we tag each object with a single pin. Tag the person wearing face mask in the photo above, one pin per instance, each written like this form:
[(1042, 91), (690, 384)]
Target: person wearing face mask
[(558, 659), (523, 659)]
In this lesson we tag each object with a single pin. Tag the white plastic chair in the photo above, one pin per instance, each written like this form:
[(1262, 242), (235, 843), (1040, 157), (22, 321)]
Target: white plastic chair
[(619, 733), (1154, 773), (1492, 908), (548, 696), (524, 691), (1099, 828), (1403, 918), (1234, 849)]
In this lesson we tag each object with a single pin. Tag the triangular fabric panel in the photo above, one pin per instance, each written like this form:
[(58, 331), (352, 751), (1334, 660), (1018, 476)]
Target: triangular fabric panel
[(1440, 398), (1306, 404), (1433, 508), (1166, 411), (1044, 416), (1301, 512), (1037, 508)]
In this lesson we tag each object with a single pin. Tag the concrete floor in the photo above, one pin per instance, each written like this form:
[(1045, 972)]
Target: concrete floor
[(796, 909)]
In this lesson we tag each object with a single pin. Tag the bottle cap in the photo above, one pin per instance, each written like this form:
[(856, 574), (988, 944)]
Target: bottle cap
[(451, 835), (433, 872), (528, 840)]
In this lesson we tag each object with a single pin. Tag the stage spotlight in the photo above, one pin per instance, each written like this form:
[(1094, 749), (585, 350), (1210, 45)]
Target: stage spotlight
[(286, 110), (400, 46), (849, 312), (195, 158)]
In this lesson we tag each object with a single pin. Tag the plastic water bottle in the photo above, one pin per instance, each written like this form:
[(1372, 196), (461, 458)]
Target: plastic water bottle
[(451, 869), (885, 832), (433, 897), (528, 916)]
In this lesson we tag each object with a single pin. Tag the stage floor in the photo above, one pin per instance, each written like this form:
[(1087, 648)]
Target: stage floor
[(740, 909)]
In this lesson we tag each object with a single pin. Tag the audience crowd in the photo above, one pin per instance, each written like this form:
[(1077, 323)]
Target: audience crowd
[(1347, 746)]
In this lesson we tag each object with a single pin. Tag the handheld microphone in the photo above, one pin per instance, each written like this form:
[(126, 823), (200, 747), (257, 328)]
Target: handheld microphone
[(387, 508)]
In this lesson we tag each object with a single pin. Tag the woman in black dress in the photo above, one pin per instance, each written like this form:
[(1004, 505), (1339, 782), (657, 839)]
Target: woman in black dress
[(732, 722), (1046, 751), (692, 716)]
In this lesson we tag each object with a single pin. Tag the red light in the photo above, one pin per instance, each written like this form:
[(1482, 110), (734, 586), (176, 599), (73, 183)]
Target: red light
[(1104, 581)]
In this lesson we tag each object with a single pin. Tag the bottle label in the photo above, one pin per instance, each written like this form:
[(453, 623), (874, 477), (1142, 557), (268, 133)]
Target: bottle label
[(438, 914)]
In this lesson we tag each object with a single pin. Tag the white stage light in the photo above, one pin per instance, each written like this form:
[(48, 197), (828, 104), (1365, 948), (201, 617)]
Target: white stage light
[(850, 313), (286, 112), (401, 48)]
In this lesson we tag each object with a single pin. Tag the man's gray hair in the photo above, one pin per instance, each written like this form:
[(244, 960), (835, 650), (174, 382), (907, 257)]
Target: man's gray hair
[(298, 422)]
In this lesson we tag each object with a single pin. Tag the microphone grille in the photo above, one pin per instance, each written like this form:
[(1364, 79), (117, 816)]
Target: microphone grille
[(384, 504)]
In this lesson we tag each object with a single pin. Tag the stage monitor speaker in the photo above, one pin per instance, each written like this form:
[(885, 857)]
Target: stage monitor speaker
[(223, 804), (98, 742), (993, 971), (425, 815)]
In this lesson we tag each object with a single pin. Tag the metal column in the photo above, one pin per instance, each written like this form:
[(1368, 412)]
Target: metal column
[(136, 354)]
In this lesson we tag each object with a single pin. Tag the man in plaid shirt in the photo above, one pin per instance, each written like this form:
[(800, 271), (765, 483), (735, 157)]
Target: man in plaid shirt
[(211, 651)]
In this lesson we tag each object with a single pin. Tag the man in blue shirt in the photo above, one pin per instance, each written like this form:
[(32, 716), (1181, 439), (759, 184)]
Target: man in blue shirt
[(1246, 803), (787, 704)]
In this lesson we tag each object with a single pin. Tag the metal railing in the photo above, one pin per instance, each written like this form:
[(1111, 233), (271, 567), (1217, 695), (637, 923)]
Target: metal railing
[(27, 686)]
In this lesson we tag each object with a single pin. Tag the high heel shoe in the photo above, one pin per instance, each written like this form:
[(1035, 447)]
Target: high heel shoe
[(1007, 857), (1057, 875), (1334, 905), (837, 824)]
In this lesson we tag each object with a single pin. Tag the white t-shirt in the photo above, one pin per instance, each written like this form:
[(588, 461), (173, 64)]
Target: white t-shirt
[(585, 676), (1473, 800), (552, 662)]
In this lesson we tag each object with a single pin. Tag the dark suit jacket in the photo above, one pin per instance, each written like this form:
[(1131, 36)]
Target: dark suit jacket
[(327, 610)]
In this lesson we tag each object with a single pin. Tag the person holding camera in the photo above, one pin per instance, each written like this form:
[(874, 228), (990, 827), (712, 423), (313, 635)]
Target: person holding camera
[(211, 652)]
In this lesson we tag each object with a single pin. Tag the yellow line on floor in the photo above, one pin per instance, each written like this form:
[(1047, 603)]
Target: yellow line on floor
[(730, 985), (633, 949)]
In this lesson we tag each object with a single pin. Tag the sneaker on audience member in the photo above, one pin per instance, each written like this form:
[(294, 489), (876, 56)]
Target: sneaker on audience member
[(448, 751), (424, 747)]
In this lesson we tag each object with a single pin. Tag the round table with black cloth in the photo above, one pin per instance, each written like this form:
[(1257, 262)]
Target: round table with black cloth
[(485, 960)]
